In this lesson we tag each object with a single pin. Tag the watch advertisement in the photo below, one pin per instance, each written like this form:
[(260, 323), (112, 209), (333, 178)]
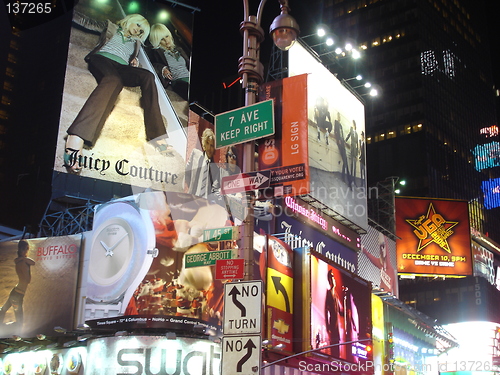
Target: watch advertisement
[(135, 273), (38, 285), (433, 236)]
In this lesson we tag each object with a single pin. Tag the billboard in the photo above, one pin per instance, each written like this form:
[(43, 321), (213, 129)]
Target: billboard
[(340, 311), (124, 105), (135, 273), (377, 261), (336, 139), (491, 193), (285, 154), (38, 285), (433, 236), (486, 156)]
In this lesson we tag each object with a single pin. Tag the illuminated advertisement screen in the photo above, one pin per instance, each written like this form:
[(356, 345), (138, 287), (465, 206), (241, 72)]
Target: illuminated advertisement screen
[(58, 361), (153, 355), (377, 261), (340, 311), (336, 134), (484, 262), (39, 276), (285, 154), (434, 236), (138, 273), (378, 332), (491, 193), (486, 156), (125, 105)]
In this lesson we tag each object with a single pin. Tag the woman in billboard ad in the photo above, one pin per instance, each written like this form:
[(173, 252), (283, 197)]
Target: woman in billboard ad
[(340, 311), (117, 121)]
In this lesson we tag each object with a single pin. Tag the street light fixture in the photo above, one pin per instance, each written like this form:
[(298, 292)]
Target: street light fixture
[(284, 31)]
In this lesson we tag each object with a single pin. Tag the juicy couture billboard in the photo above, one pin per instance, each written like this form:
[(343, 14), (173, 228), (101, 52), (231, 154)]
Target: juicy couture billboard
[(125, 95)]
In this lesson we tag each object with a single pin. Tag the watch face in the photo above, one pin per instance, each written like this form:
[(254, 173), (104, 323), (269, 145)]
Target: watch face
[(280, 253), (112, 248)]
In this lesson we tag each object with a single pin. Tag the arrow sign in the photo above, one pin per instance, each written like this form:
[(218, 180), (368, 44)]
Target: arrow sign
[(242, 308), (235, 293), (280, 288), (245, 182), (241, 355)]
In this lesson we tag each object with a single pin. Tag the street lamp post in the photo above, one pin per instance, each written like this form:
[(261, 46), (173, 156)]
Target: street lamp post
[(284, 31)]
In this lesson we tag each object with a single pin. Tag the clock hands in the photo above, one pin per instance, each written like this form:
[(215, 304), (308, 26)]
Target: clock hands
[(109, 250)]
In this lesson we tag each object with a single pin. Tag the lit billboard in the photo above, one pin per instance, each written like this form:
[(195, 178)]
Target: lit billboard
[(486, 156), (336, 139), (136, 274), (491, 193), (285, 154), (124, 104), (433, 236), (377, 261), (333, 310), (38, 287)]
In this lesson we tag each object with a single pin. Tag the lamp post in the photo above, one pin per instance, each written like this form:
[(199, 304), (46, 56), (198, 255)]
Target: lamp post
[(284, 31)]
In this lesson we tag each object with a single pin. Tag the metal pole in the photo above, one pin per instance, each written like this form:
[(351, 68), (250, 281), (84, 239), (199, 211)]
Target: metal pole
[(251, 71)]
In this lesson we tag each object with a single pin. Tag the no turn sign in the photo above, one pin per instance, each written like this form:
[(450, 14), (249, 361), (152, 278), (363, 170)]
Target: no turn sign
[(242, 308)]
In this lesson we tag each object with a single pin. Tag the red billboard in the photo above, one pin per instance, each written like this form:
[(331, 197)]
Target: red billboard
[(433, 236), (38, 285), (285, 154)]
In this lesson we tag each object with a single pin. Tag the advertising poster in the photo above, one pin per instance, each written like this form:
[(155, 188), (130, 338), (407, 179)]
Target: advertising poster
[(279, 295), (336, 139), (377, 261), (285, 154), (491, 193), (379, 336), (153, 355), (137, 273), (434, 236), (39, 276), (340, 312), (125, 105)]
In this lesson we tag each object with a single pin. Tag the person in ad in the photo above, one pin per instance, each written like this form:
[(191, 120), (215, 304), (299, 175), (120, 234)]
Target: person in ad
[(322, 118), (362, 157), (23, 270), (338, 132), (202, 173), (334, 315), (387, 272), (114, 64), (171, 63), (353, 136)]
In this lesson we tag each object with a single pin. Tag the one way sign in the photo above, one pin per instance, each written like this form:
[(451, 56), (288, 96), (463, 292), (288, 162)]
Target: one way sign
[(245, 182), (241, 355)]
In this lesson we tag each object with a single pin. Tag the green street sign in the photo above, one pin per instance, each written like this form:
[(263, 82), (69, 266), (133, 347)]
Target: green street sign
[(221, 234), (244, 124), (208, 258)]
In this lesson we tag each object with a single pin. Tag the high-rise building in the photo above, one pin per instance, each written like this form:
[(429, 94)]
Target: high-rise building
[(430, 63)]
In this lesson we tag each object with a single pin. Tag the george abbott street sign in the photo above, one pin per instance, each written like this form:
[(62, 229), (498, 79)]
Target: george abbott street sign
[(244, 124), (245, 182)]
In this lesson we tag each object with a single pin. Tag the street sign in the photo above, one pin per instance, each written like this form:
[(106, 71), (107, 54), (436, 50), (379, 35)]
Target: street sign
[(245, 182), (221, 234), (227, 269), (208, 258), (241, 355), (242, 308), (244, 124)]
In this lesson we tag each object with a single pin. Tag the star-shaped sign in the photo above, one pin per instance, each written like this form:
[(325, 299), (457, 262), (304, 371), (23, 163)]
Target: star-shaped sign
[(432, 228)]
